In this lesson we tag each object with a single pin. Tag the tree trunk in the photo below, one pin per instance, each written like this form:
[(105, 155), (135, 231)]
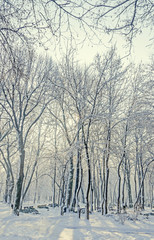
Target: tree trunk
[(21, 176), (62, 200), (119, 183), (36, 184), (7, 187), (83, 196), (28, 185), (92, 199), (103, 183), (107, 169), (9, 175), (98, 191), (94, 186), (129, 184), (142, 182), (119, 176), (142, 191), (77, 178), (77, 195), (152, 197), (54, 187), (106, 191), (123, 187), (119, 188), (89, 181), (70, 182), (10, 190)]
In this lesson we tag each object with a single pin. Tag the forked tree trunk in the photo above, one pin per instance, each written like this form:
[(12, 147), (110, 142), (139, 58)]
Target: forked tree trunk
[(28, 185), (140, 189)]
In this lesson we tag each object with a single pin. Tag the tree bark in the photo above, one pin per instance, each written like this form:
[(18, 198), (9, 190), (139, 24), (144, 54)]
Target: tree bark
[(54, 186), (129, 184), (70, 182), (89, 180), (77, 177), (21, 175)]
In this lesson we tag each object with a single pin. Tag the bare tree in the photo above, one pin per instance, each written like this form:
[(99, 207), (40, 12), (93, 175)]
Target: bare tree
[(7, 152), (31, 21), (24, 101)]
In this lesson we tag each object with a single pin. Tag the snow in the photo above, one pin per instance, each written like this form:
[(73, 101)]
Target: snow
[(50, 225)]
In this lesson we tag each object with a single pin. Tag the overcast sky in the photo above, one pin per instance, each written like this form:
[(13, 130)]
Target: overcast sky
[(141, 49)]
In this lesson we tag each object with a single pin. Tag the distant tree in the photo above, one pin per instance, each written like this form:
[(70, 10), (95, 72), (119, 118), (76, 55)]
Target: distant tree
[(7, 153)]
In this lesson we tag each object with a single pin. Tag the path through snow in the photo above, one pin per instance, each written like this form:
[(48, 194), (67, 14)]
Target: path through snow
[(49, 225)]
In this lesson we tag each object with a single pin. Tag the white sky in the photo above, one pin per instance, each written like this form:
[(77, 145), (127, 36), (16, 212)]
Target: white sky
[(142, 48)]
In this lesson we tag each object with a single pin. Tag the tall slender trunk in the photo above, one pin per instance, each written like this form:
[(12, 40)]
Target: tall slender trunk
[(94, 186), (10, 191), (83, 196), (9, 175), (79, 187), (136, 164), (91, 197), (106, 191), (107, 169), (77, 172), (123, 187), (98, 190), (142, 182), (119, 166), (62, 199), (7, 187), (54, 186), (103, 181), (99, 184), (119, 187), (152, 196), (36, 185), (70, 182), (135, 180), (142, 191), (89, 180), (139, 181), (129, 184), (21, 175)]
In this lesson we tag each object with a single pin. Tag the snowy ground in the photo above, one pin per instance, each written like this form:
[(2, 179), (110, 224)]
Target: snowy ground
[(49, 225)]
